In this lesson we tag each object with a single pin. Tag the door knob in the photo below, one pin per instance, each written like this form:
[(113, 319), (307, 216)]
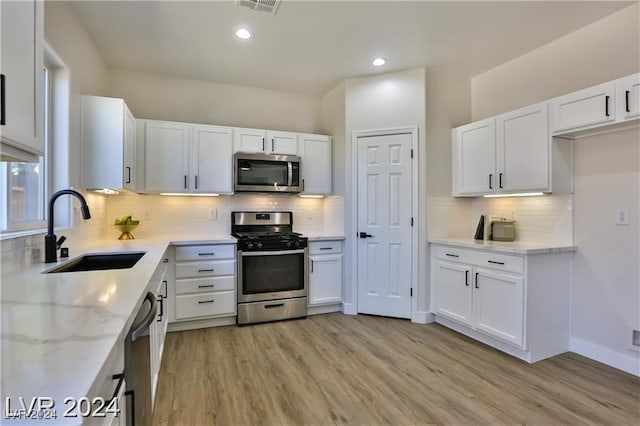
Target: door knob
[(365, 235)]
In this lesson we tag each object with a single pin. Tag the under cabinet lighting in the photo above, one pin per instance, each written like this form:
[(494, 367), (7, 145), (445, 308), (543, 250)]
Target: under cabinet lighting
[(107, 191), (310, 196), (519, 194), (180, 194)]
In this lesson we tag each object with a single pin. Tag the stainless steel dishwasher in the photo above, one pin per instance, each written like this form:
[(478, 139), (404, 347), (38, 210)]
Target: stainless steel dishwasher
[(137, 364)]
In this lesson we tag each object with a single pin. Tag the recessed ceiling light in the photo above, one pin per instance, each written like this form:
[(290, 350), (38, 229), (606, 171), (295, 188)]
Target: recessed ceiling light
[(378, 62), (243, 33)]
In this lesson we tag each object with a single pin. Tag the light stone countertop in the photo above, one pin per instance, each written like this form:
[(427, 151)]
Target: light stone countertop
[(514, 247), (59, 329), (318, 237)]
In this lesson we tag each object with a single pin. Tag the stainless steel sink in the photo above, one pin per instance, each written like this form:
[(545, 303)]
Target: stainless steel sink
[(100, 262)]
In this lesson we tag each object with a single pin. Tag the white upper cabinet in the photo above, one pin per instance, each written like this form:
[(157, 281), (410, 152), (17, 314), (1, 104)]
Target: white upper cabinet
[(285, 143), (21, 88), (265, 141), (474, 158), (249, 140), (315, 151), (628, 97), (522, 142), (166, 157), (108, 144), (584, 109), (510, 153), (211, 164), (187, 158)]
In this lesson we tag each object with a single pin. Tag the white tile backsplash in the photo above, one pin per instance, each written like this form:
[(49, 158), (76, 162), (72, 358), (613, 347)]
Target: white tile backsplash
[(544, 219), (172, 215)]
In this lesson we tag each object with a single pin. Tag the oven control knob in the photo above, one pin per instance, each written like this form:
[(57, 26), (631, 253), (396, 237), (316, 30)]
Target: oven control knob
[(259, 245), (298, 244), (289, 243), (249, 245)]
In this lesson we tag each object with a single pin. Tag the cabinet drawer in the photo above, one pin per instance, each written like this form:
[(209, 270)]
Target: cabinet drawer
[(205, 269), (503, 262), (206, 305), (455, 254), (205, 285), (325, 247), (205, 252)]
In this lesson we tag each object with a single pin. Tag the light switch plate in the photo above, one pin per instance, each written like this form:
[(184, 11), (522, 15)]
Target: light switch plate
[(213, 214), (622, 216)]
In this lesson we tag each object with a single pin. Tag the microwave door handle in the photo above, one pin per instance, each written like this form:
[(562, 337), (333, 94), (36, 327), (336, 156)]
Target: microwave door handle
[(290, 173)]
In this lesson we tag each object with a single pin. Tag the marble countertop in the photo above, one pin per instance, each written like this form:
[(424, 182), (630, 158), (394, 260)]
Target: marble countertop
[(514, 247), (318, 237), (59, 329)]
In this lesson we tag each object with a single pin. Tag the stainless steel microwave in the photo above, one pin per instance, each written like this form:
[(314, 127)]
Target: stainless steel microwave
[(266, 173)]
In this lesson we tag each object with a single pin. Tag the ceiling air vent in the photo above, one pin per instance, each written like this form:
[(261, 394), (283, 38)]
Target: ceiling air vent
[(270, 6)]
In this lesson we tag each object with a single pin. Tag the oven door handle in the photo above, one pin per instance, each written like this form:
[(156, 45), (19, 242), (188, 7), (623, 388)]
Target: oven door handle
[(270, 253)]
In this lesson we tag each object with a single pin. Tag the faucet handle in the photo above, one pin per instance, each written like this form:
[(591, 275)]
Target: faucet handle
[(61, 240)]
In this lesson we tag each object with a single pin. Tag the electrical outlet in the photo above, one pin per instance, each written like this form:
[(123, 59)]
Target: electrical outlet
[(635, 338), (622, 216), (213, 214), (147, 214)]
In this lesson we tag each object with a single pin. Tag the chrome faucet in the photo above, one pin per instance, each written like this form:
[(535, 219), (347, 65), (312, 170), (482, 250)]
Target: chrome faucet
[(50, 242)]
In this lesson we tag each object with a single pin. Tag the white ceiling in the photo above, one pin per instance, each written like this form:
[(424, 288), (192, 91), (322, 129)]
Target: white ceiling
[(310, 46)]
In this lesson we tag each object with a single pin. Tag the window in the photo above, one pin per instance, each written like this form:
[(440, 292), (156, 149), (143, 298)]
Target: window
[(24, 185)]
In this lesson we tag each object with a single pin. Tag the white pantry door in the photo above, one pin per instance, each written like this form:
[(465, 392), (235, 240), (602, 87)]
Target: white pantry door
[(384, 224)]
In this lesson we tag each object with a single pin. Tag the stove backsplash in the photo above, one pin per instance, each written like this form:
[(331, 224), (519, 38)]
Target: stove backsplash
[(191, 216)]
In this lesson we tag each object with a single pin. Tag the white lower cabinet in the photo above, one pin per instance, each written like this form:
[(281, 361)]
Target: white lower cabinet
[(158, 328), (516, 303), (325, 273), (205, 282), (109, 387)]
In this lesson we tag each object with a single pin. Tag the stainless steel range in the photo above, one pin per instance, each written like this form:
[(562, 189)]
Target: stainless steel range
[(273, 272)]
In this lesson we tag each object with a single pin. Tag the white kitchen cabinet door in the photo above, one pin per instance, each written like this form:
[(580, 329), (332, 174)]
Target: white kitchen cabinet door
[(167, 157), (108, 144), (474, 158), (453, 291), (211, 163), (21, 123), (283, 143), (129, 170), (498, 302), (522, 142), (325, 279), (628, 97), (315, 152), (583, 109), (249, 140)]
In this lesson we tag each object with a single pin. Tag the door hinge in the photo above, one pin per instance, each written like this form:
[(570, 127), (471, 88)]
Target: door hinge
[(412, 153), (411, 291)]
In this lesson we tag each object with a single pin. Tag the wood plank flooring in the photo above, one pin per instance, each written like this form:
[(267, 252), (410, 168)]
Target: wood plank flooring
[(365, 370)]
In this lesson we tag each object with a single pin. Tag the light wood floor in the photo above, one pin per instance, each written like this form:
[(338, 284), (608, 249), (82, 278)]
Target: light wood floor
[(364, 370)]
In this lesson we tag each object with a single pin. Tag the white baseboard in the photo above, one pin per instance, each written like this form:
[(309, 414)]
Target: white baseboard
[(316, 310), (349, 309), (627, 363), (423, 317)]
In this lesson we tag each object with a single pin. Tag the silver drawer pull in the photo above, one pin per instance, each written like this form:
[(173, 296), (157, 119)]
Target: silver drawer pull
[(206, 301), (205, 270), (326, 248), (206, 254), (205, 286), (451, 255), (495, 263)]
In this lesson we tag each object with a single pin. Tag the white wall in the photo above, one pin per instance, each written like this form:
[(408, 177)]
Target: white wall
[(379, 102), (602, 51), (176, 99), (606, 281)]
